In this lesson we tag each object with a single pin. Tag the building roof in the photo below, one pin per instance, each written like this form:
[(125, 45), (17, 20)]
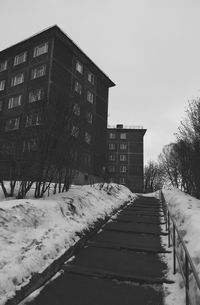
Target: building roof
[(66, 39), (121, 128)]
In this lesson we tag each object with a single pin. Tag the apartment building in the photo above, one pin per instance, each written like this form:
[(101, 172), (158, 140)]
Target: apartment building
[(125, 156), (49, 74)]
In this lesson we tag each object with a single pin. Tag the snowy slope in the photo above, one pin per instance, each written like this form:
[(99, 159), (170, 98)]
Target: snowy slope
[(186, 212), (34, 233)]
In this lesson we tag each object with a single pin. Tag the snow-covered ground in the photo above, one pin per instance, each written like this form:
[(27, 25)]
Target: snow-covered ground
[(186, 212), (174, 294), (33, 233)]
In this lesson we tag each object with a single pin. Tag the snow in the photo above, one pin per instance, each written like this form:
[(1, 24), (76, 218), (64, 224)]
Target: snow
[(185, 209), (173, 293), (34, 233)]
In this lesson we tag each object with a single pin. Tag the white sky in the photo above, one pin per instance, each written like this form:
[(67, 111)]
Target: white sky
[(149, 48)]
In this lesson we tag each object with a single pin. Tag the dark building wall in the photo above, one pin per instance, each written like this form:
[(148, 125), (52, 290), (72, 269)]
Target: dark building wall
[(65, 75), (125, 157), (58, 85), (17, 136)]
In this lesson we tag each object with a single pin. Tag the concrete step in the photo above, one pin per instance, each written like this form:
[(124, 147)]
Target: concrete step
[(139, 218), (141, 228), (76, 289), (130, 265), (144, 242), (142, 213), (134, 248)]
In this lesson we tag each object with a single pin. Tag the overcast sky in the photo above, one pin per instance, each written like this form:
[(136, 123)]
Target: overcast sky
[(149, 48)]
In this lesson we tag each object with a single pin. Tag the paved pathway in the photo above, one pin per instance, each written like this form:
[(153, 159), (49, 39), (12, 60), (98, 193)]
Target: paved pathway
[(121, 265)]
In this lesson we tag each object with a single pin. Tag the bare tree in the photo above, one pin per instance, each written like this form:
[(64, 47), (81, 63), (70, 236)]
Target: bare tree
[(188, 145), (181, 160), (170, 164), (153, 177)]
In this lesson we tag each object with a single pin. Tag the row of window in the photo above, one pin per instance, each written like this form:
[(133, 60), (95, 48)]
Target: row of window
[(113, 169), (78, 89), (122, 135), (22, 57), (90, 75), (122, 180), (19, 78), (15, 101), (32, 119), (37, 95), (85, 157), (31, 145), (122, 146), (112, 157), (27, 146)]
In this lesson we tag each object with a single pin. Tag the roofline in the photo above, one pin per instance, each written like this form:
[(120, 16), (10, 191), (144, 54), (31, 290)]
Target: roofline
[(57, 28), (26, 39), (129, 129), (142, 130)]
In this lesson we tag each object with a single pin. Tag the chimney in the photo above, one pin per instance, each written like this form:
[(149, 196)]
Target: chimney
[(119, 126)]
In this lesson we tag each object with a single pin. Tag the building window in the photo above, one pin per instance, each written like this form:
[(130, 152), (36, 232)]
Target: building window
[(14, 101), (75, 131), (91, 78), (112, 179), (112, 135), (90, 97), (1, 105), (123, 169), (122, 157), (111, 146), (33, 119), (3, 65), (20, 58), (111, 168), (79, 67), (87, 160), (87, 138), (77, 109), (75, 159), (89, 117), (12, 124), (2, 85), (17, 79), (36, 95), (38, 72), (123, 146), (8, 148), (123, 136), (111, 157), (122, 180), (41, 49), (30, 145), (78, 87)]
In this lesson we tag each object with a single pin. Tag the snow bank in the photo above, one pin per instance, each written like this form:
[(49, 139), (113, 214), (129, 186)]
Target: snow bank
[(34, 233), (186, 212), (154, 194)]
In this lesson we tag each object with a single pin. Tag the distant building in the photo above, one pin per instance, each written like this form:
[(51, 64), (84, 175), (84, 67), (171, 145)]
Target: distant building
[(49, 71), (125, 156)]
